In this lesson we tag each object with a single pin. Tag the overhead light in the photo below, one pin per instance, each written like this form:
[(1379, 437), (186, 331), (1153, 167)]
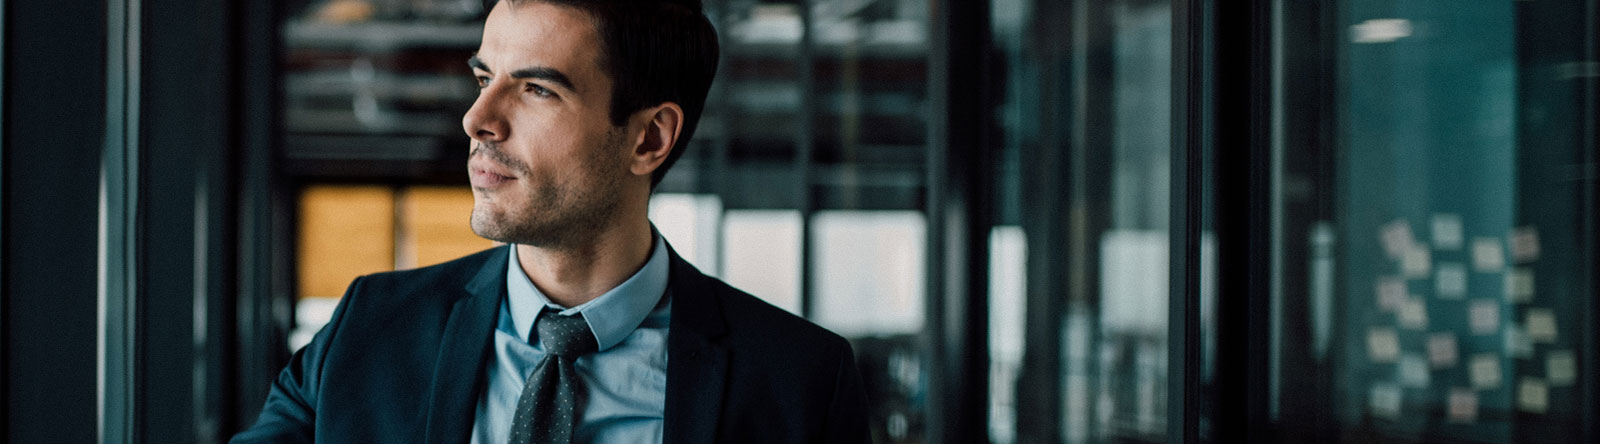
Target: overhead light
[(1380, 30)]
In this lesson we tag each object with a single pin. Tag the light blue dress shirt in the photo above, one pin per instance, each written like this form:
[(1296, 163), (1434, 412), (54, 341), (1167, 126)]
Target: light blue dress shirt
[(626, 379)]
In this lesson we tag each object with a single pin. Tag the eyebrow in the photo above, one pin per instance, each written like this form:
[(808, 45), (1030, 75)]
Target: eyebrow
[(539, 72)]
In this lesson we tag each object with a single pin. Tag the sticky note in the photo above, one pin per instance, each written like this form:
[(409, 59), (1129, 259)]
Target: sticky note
[(1391, 293), (1519, 285), (1383, 345), (1463, 407), (1418, 262), (1483, 316), (1484, 371), (1396, 237), (1561, 368), (1413, 314), (1447, 231), (1442, 350), (1384, 401), (1450, 281), (1517, 343), (1525, 244), (1412, 371), (1488, 256), (1532, 395), (1541, 324)]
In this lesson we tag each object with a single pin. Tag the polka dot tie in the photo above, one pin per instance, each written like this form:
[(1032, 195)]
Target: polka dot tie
[(552, 400)]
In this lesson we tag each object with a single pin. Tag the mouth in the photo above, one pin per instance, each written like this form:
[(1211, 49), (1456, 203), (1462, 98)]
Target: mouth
[(485, 175)]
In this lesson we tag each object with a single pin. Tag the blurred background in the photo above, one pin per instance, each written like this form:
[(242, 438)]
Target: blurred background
[(1037, 221)]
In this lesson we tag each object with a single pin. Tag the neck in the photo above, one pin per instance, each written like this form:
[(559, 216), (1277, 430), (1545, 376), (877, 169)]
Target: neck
[(571, 276)]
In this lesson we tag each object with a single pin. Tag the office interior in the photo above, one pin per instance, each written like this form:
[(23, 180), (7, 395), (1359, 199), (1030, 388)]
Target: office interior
[(1037, 221)]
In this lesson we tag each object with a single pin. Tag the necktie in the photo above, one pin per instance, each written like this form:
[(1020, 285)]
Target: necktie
[(551, 401)]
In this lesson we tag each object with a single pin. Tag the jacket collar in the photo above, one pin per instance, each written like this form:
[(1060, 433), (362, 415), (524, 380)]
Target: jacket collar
[(463, 351), (696, 359)]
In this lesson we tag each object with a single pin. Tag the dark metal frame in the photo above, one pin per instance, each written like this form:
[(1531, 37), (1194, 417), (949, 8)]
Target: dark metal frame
[(50, 212), (1238, 149), (959, 209), (1188, 129)]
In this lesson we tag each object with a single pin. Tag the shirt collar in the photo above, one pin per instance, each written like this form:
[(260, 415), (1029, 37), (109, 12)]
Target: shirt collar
[(611, 317)]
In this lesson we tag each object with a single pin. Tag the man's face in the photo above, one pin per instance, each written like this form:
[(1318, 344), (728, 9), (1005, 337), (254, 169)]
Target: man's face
[(547, 166)]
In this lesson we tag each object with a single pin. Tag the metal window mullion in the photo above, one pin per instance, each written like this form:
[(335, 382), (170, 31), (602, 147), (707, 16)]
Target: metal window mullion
[(1589, 134), (1183, 329), (118, 230), (804, 147)]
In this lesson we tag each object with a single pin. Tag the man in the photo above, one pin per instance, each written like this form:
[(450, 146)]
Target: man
[(587, 328)]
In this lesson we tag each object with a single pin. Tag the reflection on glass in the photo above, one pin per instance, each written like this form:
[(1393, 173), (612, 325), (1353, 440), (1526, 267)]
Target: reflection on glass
[(1008, 255)]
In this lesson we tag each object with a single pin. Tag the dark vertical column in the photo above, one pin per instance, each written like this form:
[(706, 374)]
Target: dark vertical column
[(1304, 156), (1183, 310), (1589, 157), (184, 147), (55, 80), (1046, 182), (1239, 147), (264, 292), (804, 146), (959, 205)]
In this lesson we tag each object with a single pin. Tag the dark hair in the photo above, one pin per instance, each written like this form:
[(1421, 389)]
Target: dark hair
[(656, 51)]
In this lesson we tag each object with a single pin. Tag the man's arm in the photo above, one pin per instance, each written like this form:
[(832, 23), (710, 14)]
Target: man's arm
[(847, 413), (290, 411)]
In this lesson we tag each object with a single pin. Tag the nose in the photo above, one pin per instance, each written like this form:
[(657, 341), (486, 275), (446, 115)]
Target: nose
[(484, 122)]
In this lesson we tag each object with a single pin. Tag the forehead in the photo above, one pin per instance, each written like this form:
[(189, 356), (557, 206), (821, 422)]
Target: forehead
[(529, 34)]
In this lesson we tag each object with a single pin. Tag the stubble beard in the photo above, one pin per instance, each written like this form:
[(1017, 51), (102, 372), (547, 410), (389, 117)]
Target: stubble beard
[(555, 215)]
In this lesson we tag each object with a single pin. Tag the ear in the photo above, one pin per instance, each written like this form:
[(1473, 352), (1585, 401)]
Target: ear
[(662, 124)]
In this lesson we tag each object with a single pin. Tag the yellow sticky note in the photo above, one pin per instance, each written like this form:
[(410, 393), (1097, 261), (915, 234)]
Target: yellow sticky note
[(1450, 281), (1463, 407), (1447, 231), (1484, 371), (1533, 396), (1384, 401), (1483, 316), (1561, 368), (1391, 293), (1442, 350), (1525, 244), (1418, 262), (1413, 314), (1383, 345), (1519, 285), (1488, 256), (1541, 324)]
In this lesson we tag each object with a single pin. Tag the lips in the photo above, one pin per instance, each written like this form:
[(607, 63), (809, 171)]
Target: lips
[(486, 175)]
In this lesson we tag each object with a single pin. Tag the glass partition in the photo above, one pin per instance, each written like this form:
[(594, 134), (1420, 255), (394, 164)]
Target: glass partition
[(1437, 224)]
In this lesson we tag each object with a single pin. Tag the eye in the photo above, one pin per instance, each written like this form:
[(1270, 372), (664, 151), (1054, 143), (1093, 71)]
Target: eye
[(539, 90), (483, 82)]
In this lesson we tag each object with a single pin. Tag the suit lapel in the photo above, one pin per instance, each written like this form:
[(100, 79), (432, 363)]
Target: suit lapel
[(458, 372), (697, 364)]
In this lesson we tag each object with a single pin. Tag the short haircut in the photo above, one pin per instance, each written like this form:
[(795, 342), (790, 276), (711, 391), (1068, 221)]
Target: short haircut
[(656, 51)]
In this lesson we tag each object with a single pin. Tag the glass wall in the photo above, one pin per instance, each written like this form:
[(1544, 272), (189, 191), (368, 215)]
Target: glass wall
[(1430, 201), (1079, 280), (1435, 221)]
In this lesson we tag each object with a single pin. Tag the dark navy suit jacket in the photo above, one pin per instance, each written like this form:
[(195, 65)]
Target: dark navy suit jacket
[(402, 361)]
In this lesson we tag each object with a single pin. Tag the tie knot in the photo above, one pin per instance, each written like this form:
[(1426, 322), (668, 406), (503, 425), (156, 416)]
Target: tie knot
[(566, 336)]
